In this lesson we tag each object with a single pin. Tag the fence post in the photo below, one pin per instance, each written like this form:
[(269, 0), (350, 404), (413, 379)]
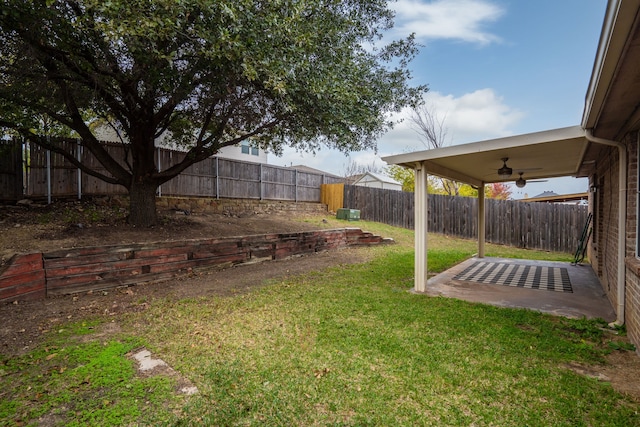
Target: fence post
[(79, 158), (48, 156), (25, 167), (159, 170), (217, 178), (295, 174), (260, 183)]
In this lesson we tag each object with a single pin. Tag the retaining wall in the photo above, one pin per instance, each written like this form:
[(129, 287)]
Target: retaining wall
[(225, 206), (39, 275)]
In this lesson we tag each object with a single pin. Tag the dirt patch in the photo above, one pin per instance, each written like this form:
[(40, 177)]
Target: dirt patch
[(35, 227), (622, 370)]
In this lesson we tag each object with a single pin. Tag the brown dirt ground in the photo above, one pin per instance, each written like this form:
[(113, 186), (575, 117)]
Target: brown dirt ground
[(72, 224)]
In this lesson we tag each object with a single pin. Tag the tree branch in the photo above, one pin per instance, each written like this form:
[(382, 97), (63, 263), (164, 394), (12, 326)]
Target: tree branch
[(46, 144), (197, 154)]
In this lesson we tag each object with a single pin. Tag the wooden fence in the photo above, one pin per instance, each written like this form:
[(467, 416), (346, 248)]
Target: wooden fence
[(29, 171), (50, 175), (544, 226), (10, 171)]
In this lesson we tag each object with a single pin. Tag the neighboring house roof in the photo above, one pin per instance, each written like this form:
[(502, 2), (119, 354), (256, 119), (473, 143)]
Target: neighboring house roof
[(546, 194), (307, 169), (353, 178), (370, 176), (556, 198), (104, 132), (232, 152)]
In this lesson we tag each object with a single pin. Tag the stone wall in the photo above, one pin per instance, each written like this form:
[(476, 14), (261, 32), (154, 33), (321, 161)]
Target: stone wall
[(237, 206)]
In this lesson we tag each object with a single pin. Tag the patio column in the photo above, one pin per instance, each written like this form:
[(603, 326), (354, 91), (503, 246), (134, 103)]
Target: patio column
[(481, 221), (420, 212)]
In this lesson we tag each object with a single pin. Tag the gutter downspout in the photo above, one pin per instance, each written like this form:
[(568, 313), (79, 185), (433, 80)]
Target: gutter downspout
[(622, 212)]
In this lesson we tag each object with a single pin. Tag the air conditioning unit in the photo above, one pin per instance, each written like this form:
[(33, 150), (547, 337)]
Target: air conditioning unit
[(348, 214)]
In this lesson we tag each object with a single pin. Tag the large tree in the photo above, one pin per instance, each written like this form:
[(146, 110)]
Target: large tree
[(208, 73)]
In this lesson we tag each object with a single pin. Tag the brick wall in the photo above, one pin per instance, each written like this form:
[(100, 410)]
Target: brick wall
[(606, 222), (68, 271), (632, 301), (632, 289), (605, 250)]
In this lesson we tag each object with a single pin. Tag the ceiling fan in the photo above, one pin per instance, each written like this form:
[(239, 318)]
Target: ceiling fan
[(521, 182), (505, 171)]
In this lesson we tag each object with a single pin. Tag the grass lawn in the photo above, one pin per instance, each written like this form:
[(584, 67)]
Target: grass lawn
[(346, 346)]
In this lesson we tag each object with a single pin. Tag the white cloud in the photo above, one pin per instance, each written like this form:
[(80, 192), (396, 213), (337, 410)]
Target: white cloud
[(462, 20), (474, 116)]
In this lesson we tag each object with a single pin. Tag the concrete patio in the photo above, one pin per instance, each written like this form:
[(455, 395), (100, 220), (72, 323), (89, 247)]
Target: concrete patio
[(551, 287)]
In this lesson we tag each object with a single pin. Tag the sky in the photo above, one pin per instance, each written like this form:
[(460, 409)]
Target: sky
[(494, 68)]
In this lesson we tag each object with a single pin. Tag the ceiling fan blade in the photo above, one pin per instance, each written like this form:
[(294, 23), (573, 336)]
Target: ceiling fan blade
[(523, 170)]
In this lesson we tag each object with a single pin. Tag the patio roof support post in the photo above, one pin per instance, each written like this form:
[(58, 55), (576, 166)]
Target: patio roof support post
[(420, 212), (481, 221), (622, 215)]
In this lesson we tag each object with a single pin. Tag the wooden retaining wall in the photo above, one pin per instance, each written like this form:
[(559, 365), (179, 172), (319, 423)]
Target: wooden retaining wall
[(39, 275), (24, 277)]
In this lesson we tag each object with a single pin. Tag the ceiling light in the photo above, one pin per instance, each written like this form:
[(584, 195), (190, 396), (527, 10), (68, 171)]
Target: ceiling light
[(520, 182)]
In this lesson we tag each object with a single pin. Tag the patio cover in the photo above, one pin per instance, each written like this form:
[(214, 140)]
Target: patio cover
[(547, 154), (610, 113)]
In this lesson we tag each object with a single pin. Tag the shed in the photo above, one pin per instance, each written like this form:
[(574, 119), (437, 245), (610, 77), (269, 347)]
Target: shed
[(374, 180)]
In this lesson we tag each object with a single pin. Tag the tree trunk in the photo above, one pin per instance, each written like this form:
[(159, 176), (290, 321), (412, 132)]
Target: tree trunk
[(142, 204)]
